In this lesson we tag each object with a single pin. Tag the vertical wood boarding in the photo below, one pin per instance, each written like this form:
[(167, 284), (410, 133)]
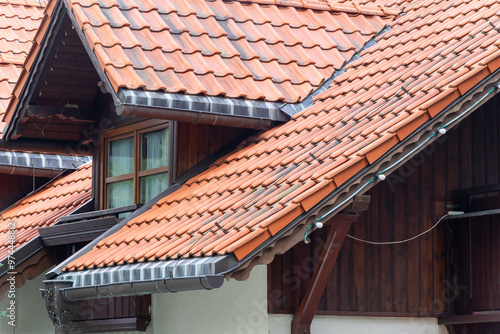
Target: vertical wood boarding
[(416, 278)]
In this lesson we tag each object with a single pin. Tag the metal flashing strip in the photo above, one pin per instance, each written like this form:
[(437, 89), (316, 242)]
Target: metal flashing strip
[(41, 161), (294, 108), (205, 104), (21, 254), (148, 277)]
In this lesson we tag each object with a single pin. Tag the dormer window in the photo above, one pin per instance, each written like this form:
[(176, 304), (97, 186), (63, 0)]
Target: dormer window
[(137, 163)]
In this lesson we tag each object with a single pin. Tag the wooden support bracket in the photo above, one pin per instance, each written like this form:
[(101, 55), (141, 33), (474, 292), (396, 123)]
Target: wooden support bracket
[(304, 315)]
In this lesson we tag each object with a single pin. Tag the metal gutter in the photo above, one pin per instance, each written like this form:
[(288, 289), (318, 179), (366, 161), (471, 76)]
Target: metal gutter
[(29, 171), (147, 278), (56, 271), (193, 116), (41, 164), (199, 109), (361, 180), (46, 147), (179, 275)]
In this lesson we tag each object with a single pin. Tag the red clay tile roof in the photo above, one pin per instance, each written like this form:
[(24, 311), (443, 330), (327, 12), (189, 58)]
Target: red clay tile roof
[(432, 55), (19, 21), (44, 207), (276, 51)]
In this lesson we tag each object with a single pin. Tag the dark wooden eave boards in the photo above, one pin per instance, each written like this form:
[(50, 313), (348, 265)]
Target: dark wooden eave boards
[(338, 226), (62, 98)]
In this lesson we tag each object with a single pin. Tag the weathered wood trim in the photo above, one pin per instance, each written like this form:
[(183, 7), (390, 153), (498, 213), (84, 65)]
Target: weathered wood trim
[(110, 325), (69, 233), (99, 213), (304, 315), (479, 317)]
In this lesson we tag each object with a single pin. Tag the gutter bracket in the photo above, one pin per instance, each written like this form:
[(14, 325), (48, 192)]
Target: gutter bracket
[(61, 310)]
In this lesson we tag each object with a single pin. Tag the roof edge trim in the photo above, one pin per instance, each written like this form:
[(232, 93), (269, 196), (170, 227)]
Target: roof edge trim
[(200, 109), (363, 180), (20, 255), (28, 80)]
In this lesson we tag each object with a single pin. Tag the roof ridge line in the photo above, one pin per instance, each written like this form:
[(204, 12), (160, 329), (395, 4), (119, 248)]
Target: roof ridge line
[(329, 5)]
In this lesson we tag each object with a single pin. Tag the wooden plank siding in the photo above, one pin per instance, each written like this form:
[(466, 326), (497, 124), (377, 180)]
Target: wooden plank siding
[(415, 278), (195, 142), (14, 187)]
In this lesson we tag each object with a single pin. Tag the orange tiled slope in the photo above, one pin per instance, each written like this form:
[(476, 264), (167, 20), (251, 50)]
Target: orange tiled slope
[(19, 21), (437, 51), (236, 49), (44, 207)]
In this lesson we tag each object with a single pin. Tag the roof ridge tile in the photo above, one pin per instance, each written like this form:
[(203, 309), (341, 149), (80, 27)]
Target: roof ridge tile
[(328, 5)]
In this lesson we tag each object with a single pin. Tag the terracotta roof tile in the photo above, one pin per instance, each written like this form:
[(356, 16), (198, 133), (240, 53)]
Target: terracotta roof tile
[(242, 32), (19, 21), (397, 84), (44, 207)]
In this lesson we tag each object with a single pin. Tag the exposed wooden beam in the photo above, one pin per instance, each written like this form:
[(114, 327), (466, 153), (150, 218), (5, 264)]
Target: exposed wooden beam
[(475, 191), (304, 315), (479, 317), (71, 112)]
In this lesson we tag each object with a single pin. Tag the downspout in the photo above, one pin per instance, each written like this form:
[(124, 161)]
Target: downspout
[(193, 116)]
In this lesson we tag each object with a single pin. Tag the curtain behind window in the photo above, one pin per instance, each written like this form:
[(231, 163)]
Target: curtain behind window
[(154, 149), (120, 162), (154, 154), (121, 156)]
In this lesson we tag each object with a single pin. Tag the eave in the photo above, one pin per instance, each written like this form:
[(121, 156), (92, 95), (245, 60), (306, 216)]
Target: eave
[(359, 182)]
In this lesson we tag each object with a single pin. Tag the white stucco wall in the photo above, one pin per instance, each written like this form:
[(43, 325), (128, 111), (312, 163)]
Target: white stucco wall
[(280, 324), (31, 316), (234, 308)]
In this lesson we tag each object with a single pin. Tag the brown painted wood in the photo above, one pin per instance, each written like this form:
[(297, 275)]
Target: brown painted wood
[(426, 219), (196, 142), (493, 316), (386, 261), (305, 313)]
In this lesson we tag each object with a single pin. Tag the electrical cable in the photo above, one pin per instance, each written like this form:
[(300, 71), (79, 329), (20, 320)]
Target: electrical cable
[(399, 241), (400, 160)]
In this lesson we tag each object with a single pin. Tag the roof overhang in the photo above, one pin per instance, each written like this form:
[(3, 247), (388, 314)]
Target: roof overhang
[(361, 182), (199, 109), (43, 165), (178, 107)]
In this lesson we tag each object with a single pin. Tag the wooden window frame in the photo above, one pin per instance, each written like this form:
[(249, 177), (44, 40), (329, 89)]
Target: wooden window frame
[(135, 131)]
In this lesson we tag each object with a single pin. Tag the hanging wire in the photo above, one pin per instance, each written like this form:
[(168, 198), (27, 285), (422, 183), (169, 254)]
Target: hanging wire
[(399, 241), (400, 160)]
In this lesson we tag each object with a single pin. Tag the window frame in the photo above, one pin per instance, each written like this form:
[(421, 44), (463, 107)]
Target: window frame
[(135, 131)]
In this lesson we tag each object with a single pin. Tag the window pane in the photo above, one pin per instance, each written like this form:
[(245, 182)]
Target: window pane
[(121, 156), (120, 194), (152, 185), (154, 149)]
